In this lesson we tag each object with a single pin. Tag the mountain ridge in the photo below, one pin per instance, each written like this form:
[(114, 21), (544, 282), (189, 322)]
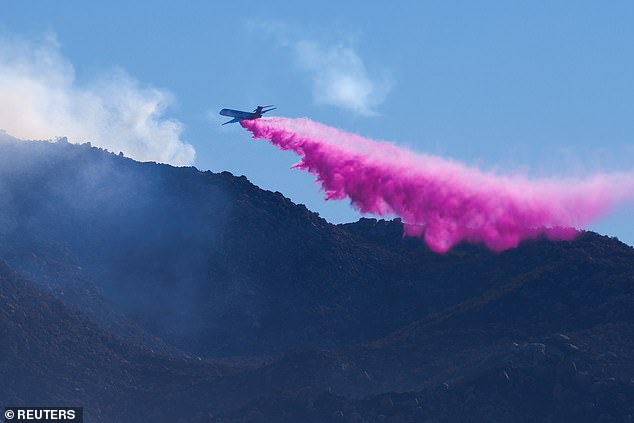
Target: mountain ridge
[(240, 305)]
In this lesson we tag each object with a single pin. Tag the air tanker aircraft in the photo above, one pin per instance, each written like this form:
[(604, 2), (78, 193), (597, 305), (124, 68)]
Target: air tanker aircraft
[(239, 115)]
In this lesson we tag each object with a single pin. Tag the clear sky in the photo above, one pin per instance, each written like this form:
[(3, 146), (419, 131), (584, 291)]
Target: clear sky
[(543, 87)]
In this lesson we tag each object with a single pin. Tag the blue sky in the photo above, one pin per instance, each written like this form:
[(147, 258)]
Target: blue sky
[(546, 87)]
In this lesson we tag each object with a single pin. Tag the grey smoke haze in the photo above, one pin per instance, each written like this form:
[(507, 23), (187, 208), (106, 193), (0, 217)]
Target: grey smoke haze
[(139, 233), (40, 98)]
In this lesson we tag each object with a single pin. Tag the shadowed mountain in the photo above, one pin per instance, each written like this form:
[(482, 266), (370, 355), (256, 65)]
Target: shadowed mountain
[(139, 284), (51, 354)]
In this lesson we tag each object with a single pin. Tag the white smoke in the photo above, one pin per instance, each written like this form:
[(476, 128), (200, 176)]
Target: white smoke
[(40, 98), (328, 57), (340, 77)]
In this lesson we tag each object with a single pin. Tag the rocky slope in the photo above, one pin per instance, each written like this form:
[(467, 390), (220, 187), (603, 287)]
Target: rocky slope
[(150, 293)]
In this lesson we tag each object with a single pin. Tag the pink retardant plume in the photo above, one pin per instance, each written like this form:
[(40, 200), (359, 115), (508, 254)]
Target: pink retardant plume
[(441, 200)]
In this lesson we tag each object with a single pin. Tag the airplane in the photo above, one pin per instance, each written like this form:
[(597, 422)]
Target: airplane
[(238, 115)]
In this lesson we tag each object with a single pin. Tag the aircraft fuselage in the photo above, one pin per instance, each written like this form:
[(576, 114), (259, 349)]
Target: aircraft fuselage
[(239, 115)]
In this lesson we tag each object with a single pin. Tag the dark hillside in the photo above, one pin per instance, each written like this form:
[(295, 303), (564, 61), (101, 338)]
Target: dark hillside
[(124, 286), (53, 355)]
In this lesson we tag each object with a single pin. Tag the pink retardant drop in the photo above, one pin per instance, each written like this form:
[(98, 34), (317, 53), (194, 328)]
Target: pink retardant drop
[(440, 200)]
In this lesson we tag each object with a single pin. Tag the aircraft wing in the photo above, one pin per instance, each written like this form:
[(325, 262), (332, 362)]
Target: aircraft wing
[(234, 120), (240, 115)]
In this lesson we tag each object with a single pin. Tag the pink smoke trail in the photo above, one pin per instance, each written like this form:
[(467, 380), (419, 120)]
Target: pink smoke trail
[(441, 200)]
